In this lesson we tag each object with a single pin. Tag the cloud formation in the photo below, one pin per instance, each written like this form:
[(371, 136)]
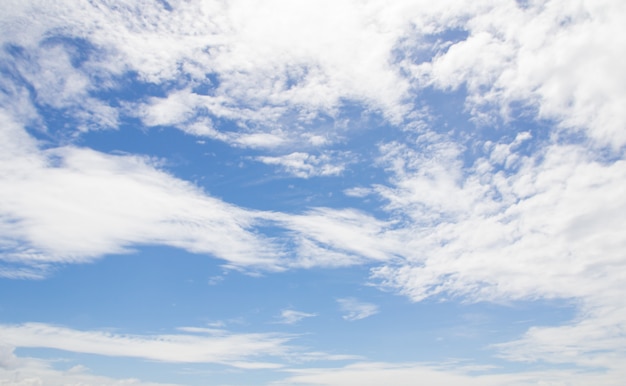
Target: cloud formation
[(20, 371), (293, 316), (371, 374), (354, 309), (70, 204), (203, 346), (473, 211)]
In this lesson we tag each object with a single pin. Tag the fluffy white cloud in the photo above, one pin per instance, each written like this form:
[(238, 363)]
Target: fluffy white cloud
[(561, 58)]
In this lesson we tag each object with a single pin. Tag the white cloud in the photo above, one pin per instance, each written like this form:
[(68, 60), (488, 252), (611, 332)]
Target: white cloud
[(295, 61), (272, 61), (355, 309), (373, 374), (306, 165), (536, 230), (24, 371), (563, 58), (72, 205), (510, 226), (309, 253), (204, 346), (514, 227), (293, 316), (69, 204), (354, 235)]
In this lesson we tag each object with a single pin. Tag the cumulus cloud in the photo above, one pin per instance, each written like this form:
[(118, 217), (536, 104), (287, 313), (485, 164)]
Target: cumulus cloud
[(560, 58)]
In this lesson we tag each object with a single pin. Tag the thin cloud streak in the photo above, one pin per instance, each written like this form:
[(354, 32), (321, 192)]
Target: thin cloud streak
[(356, 310), (238, 350), (293, 316)]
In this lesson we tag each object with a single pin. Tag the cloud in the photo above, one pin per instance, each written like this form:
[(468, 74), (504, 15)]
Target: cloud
[(68, 204), (515, 226), (352, 233), (536, 230), (204, 346), (25, 371), (267, 66), (355, 310), (71, 205), (474, 219), (593, 340), (561, 59), (306, 165), (293, 316), (373, 373)]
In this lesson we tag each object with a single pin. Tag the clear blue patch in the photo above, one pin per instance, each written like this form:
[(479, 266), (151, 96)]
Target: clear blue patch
[(166, 5), (80, 50)]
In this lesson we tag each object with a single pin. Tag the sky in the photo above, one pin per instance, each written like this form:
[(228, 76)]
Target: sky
[(328, 192)]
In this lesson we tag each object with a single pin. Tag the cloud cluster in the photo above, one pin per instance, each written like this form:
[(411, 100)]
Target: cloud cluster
[(520, 216), (548, 228), (514, 227), (305, 165), (559, 58)]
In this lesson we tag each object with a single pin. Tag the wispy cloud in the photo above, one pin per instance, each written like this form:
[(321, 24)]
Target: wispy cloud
[(204, 346), (368, 373), (293, 316), (467, 214), (24, 371), (306, 165), (354, 309), (71, 204)]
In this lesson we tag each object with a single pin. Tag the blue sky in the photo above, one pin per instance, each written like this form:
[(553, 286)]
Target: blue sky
[(312, 192)]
